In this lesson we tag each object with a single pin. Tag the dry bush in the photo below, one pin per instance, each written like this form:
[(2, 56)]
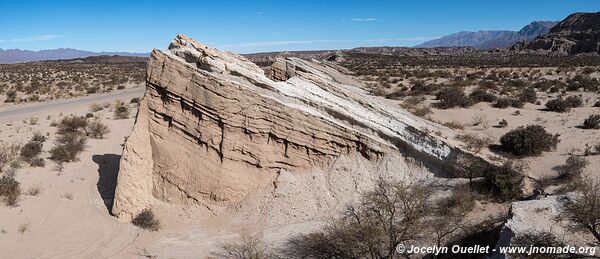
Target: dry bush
[(31, 150), (94, 107), (564, 105), (97, 129), (67, 147), (146, 220), (34, 190), (506, 181), (9, 156), (121, 111), (480, 120), (454, 125), (592, 122), (248, 247), (9, 190), (528, 141), (391, 214), (528, 95), (473, 142), (503, 103), (72, 124), (572, 168), (535, 239), (584, 209)]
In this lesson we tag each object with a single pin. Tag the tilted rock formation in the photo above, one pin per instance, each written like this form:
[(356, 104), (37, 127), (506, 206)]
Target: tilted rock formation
[(578, 33), (213, 128)]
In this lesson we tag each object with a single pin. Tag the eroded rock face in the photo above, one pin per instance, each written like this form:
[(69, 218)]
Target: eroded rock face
[(213, 128), (578, 33)]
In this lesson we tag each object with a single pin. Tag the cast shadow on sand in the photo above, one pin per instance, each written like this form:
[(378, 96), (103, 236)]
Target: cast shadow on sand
[(108, 169)]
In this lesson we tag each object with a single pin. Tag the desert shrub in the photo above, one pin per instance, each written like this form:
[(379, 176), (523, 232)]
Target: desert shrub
[(10, 190), (97, 129), (592, 122), (121, 111), (503, 103), (248, 247), (473, 142), (481, 95), (146, 220), (72, 124), (574, 101), (528, 95), (134, 100), (31, 150), (558, 105), (535, 239), (573, 167), (451, 97), (503, 123), (583, 210), (505, 181), (38, 137), (597, 104), (67, 147), (11, 96), (454, 125), (460, 202), (9, 156), (94, 107), (391, 214), (37, 162), (528, 141)]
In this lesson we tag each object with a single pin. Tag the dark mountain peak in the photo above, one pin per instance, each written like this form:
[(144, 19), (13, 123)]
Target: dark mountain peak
[(579, 22), (578, 33)]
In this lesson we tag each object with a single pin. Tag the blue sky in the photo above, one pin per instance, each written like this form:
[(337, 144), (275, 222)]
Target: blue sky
[(256, 26)]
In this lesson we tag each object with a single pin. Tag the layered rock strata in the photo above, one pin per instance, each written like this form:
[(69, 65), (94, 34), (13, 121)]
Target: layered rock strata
[(214, 127)]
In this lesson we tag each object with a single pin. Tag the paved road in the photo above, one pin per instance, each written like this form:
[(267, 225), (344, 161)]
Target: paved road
[(66, 104)]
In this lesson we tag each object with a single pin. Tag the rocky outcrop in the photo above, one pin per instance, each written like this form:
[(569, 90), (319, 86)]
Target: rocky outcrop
[(213, 128), (578, 33)]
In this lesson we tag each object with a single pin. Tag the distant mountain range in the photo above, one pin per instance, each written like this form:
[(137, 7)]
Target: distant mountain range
[(17, 55), (578, 33), (491, 39)]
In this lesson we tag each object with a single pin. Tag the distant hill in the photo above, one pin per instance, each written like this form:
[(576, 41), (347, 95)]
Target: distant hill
[(578, 33), (464, 39), (16, 55), (491, 39)]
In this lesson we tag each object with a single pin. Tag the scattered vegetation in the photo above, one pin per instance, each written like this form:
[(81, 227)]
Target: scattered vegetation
[(121, 111), (592, 122), (97, 129)]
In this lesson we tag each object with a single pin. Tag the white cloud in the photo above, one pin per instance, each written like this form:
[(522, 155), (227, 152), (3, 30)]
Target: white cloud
[(363, 19), (30, 39)]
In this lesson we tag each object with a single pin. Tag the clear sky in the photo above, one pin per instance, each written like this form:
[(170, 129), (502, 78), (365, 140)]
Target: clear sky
[(256, 26)]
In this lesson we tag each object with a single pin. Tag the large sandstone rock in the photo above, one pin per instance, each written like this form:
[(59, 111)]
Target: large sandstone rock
[(213, 129)]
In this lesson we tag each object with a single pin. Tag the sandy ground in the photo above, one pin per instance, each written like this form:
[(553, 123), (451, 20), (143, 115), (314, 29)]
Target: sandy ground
[(69, 218)]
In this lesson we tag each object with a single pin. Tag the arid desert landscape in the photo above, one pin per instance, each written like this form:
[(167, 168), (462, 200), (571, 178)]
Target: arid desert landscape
[(197, 152)]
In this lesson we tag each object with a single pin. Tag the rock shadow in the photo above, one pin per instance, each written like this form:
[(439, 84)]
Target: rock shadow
[(108, 169)]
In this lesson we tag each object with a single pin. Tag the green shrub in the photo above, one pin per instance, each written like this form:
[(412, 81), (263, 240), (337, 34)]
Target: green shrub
[(506, 182), (528, 141), (564, 105)]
